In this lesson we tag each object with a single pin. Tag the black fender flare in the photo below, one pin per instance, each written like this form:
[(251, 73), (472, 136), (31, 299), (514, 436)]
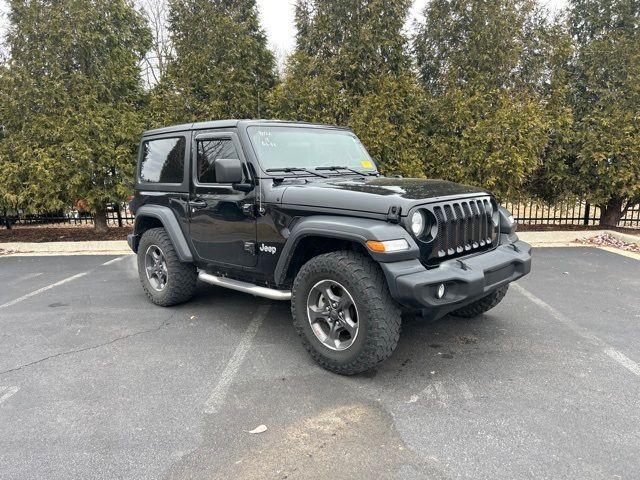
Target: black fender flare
[(170, 224), (358, 230)]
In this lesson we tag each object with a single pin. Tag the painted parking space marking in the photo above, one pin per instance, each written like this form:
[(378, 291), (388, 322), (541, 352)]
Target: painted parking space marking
[(6, 392), (608, 350), (29, 276), (623, 360), (58, 283), (217, 396), (115, 260), (43, 289)]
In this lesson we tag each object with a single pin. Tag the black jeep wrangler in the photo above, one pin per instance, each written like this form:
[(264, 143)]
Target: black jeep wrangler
[(299, 212)]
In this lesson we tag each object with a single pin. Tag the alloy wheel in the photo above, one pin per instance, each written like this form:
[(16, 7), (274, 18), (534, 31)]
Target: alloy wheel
[(333, 315), (155, 266)]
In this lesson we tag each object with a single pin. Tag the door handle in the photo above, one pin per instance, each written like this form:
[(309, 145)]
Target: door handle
[(197, 204)]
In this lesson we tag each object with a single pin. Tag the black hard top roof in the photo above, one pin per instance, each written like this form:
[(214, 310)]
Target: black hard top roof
[(228, 124)]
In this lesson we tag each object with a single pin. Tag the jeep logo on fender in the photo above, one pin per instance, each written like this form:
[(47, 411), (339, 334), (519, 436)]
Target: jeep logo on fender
[(265, 248)]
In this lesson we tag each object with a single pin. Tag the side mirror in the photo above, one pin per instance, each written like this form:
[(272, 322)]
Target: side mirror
[(228, 170)]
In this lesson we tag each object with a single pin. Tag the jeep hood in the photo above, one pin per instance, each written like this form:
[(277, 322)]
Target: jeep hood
[(375, 195)]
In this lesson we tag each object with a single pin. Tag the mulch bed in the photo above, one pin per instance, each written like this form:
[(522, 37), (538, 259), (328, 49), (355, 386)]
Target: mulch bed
[(606, 240), (61, 234)]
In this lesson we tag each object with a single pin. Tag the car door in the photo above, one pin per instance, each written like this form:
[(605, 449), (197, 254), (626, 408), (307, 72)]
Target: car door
[(222, 221)]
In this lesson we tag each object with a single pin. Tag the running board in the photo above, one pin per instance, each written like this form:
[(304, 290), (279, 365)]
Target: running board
[(245, 287)]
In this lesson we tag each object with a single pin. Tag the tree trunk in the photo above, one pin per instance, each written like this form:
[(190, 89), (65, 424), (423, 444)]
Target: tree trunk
[(611, 213), (6, 220), (100, 219)]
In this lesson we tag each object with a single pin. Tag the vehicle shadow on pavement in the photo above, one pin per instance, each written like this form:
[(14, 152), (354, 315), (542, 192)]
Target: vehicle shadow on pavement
[(313, 415), (426, 347)]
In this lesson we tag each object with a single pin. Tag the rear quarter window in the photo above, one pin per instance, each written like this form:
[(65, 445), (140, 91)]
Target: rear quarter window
[(163, 160)]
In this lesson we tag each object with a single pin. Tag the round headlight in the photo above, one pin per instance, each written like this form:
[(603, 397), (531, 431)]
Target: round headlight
[(417, 223)]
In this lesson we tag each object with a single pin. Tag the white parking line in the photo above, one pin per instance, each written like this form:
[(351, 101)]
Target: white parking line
[(115, 260), (57, 284), (611, 352), (623, 360), (43, 289), (216, 399), (29, 276), (9, 392)]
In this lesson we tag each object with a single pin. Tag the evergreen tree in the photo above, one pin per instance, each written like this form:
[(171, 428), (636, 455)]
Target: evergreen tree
[(483, 65), (221, 67), (606, 92), (74, 93), (388, 121), (350, 67), (553, 179)]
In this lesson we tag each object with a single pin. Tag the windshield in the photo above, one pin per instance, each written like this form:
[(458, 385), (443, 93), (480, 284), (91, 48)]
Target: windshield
[(308, 148)]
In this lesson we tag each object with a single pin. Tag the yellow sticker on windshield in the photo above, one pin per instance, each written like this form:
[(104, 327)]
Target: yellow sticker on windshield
[(366, 164)]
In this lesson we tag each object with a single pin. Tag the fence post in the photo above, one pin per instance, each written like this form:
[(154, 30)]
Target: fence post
[(119, 215), (587, 207)]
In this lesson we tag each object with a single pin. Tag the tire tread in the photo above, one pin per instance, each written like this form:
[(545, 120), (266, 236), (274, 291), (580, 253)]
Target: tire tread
[(182, 276), (383, 314)]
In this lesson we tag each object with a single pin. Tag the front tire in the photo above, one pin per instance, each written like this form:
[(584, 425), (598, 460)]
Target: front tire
[(165, 279), (483, 305), (343, 312)]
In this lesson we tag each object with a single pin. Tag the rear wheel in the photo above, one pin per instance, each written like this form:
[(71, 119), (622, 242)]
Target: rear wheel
[(344, 313), (483, 305), (166, 280)]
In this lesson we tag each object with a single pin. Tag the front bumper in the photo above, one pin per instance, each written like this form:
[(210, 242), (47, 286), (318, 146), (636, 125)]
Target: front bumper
[(466, 279)]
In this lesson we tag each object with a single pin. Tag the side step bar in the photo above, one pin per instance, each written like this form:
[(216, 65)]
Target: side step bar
[(245, 287)]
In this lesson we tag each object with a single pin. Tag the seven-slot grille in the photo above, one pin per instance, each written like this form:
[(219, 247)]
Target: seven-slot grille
[(463, 226)]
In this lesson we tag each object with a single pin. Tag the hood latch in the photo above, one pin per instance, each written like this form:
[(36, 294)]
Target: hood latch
[(393, 215)]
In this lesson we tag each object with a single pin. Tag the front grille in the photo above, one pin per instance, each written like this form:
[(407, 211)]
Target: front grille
[(463, 226)]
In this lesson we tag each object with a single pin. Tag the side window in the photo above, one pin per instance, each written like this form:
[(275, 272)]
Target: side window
[(208, 152), (163, 160)]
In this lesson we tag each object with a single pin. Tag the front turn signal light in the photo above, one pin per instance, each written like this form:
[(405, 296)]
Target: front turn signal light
[(388, 246)]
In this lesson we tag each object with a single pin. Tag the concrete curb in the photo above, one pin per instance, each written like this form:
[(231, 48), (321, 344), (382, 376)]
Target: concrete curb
[(112, 247), (559, 238), (119, 247)]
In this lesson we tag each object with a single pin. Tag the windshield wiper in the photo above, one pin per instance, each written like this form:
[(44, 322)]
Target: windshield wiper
[(335, 168), (294, 170)]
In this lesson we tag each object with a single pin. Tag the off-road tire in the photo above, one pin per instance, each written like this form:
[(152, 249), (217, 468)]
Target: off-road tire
[(378, 314), (181, 278), (483, 305)]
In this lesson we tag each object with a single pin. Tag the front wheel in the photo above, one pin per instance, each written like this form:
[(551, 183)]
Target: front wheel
[(483, 305), (343, 311)]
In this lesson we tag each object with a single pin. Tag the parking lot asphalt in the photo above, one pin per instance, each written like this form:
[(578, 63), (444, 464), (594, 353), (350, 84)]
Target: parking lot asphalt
[(96, 382)]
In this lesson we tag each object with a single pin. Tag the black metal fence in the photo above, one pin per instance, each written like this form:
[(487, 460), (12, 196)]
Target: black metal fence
[(525, 212), (565, 213), (118, 215)]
